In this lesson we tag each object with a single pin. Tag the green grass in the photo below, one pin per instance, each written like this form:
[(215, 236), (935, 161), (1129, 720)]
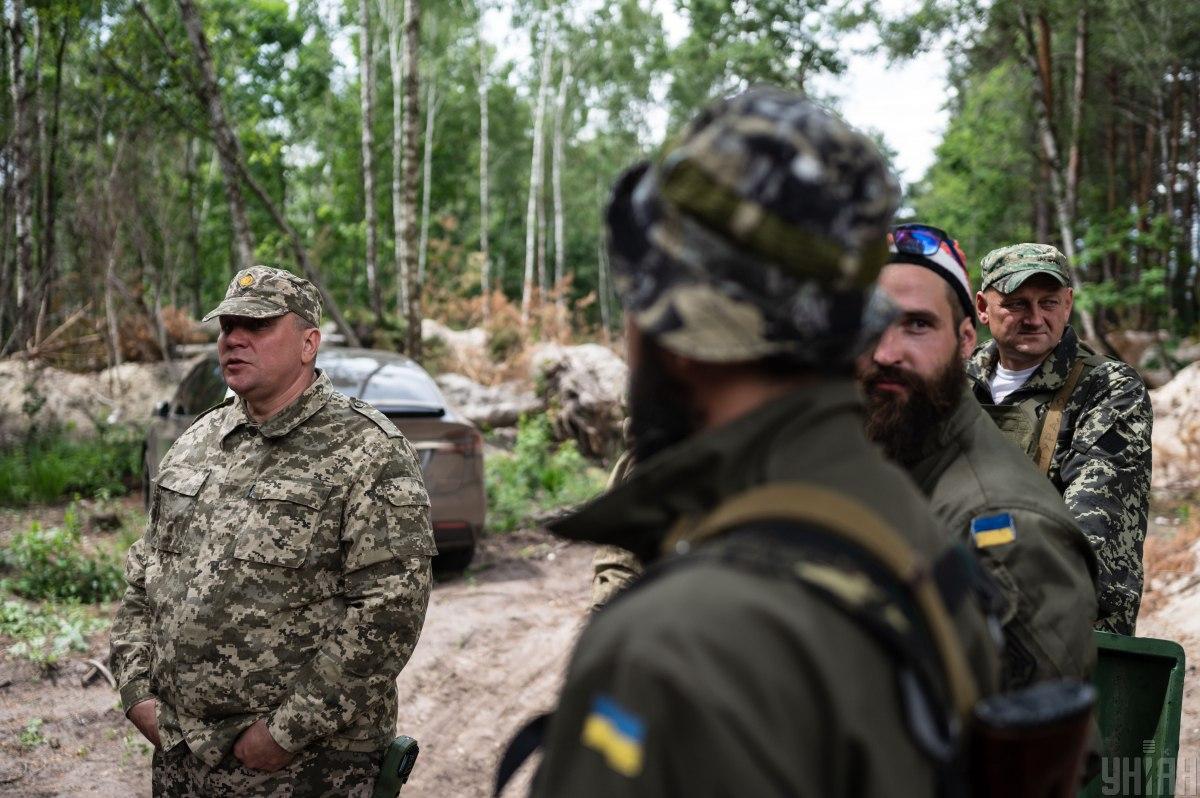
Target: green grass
[(46, 633), (539, 475), (52, 467), (51, 564)]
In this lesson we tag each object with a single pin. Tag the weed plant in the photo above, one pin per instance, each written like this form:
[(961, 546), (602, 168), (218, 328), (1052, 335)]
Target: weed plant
[(46, 633), (51, 466), (51, 564), (538, 476)]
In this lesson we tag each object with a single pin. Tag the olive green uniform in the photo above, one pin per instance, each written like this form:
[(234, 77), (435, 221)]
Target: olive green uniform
[(815, 710), (1038, 556)]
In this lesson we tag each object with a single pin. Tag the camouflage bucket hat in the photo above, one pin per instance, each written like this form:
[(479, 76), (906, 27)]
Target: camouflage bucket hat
[(1006, 268), (262, 292), (760, 232)]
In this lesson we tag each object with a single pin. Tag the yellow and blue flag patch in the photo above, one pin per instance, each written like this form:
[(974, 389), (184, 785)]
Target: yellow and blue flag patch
[(617, 734), (993, 530)]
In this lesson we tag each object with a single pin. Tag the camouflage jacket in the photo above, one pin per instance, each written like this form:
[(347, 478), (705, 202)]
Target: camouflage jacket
[(284, 574), (1101, 462), (987, 494), (712, 679)]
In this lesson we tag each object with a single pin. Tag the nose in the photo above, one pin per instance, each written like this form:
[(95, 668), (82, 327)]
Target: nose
[(234, 337), (888, 352)]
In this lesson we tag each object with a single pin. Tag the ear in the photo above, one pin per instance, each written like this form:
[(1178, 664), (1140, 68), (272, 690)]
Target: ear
[(312, 342), (966, 338), (981, 307)]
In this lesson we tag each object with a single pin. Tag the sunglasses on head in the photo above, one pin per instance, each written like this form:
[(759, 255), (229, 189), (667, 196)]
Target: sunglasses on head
[(921, 239)]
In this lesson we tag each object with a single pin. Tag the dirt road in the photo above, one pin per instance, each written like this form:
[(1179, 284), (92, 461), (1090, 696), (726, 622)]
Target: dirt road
[(492, 654)]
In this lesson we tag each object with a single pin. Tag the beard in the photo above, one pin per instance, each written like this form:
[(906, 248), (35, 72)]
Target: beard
[(660, 412), (901, 424)]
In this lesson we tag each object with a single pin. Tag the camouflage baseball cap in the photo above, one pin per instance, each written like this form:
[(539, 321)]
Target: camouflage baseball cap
[(759, 232), (1006, 268), (262, 292)]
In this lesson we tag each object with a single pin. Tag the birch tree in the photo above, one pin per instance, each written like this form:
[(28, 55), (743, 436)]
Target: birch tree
[(536, 170), (22, 172), (426, 176), (393, 15), (366, 77), (485, 268), (560, 246)]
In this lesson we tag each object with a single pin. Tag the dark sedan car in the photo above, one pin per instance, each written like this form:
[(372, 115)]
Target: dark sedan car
[(449, 446)]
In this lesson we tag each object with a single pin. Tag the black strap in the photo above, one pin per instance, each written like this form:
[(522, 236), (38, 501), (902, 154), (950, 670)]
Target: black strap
[(522, 746)]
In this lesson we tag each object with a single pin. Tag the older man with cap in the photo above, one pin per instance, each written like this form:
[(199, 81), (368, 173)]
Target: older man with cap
[(983, 490), (770, 648), (284, 574), (1084, 419)]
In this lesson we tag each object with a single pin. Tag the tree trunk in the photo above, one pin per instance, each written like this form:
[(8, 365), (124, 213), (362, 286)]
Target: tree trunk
[(1050, 150), (49, 230), (602, 285), (366, 77), (426, 177), (559, 233), (396, 63), (1077, 97), (412, 111), (485, 268), (20, 148), (228, 145), (535, 174), (193, 232)]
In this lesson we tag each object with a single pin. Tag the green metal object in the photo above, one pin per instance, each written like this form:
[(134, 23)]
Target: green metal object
[(1140, 682), (398, 762)]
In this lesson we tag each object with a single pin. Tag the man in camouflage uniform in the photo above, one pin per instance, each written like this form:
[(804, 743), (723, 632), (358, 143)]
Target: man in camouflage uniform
[(739, 664), (1085, 419), (283, 578), (983, 490)]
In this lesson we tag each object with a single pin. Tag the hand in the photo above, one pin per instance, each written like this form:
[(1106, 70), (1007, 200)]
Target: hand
[(144, 715), (256, 749)]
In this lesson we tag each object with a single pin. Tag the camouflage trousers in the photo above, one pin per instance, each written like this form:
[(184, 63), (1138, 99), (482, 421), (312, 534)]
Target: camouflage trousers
[(314, 773)]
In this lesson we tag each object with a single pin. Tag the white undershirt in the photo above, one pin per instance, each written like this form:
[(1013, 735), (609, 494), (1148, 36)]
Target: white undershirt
[(1005, 382)]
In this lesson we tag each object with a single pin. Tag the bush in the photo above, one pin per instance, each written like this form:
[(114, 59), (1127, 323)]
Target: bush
[(538, 476), (52, 466), (50, 564), (46, 633)]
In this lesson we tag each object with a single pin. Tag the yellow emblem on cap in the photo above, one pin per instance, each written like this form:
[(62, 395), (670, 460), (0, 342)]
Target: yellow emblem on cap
[(245, 280)]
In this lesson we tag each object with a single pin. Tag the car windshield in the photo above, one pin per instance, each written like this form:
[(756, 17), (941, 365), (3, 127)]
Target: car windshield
[(386, 385)]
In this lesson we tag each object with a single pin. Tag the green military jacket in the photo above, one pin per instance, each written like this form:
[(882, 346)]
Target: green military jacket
[(284, 574), (712, 680), (986, 493), (1101, 461)]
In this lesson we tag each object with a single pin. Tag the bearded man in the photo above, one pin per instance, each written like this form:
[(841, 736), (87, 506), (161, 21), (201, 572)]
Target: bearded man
[(983, 489)]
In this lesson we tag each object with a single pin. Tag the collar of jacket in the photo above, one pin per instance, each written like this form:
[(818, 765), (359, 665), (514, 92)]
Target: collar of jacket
[(300, 410), (1049, 377), (695, 475), (939, 449)]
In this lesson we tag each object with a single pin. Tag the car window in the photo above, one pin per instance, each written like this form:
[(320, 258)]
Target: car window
[(201, 389), (402, 384)]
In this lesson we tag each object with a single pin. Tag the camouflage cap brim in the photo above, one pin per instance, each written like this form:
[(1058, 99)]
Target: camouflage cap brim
[(251, 307), (1011, 277)]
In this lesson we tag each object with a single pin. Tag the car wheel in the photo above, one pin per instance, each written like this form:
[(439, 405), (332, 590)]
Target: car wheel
[(455, 560)]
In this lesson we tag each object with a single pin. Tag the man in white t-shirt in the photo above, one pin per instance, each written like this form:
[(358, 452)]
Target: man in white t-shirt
[(1083, 418)]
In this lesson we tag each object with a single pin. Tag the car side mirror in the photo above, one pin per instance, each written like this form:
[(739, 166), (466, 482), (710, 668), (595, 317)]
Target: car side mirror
[(162, 409)]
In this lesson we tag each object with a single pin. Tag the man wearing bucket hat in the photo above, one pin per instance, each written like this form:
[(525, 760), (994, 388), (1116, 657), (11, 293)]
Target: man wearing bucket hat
[(283, 578), (1083, 418), (748, 660)]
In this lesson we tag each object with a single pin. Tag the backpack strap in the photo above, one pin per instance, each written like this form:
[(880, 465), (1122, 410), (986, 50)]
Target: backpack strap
[(1052, 422), (846, 518)]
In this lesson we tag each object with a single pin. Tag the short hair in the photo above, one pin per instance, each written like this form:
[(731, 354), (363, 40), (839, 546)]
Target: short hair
[(302, 323)]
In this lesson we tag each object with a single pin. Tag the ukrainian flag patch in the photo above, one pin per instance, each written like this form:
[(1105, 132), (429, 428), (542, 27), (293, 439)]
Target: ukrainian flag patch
[(616, 734), (993, 530)]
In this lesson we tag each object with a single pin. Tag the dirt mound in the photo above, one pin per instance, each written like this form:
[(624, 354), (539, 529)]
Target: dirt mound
[(1176, 438), (34, 393)]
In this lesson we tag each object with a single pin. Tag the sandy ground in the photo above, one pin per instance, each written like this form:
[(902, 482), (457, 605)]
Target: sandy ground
[(492, 655)]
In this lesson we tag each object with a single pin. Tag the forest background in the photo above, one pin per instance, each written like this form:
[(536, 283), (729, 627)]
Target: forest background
[(151, 148)]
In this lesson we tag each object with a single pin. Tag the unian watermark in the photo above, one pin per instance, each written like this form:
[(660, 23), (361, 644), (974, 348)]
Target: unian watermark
[(1150, 774)]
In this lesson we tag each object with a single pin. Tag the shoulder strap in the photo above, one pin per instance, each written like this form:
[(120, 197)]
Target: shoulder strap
[(850, 520), (1052, 423)]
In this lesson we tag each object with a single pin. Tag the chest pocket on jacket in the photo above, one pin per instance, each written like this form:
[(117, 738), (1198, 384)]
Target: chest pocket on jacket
[(283, 515), (174, 506)]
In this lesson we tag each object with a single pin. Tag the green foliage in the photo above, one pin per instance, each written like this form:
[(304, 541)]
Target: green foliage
[(45, 633), (52, 466), (538, 476), (31, 735), (51, 564)]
